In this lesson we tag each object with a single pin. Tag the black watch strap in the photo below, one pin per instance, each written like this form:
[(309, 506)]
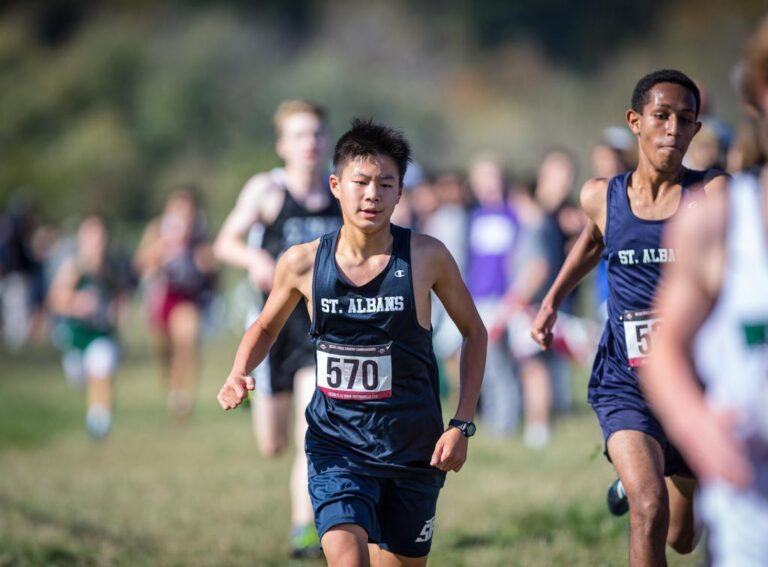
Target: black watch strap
[(467, 428)]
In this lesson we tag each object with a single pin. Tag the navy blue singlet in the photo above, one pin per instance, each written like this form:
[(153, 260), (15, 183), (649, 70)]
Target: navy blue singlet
[(376, 408), (634, 256), (293, 225)]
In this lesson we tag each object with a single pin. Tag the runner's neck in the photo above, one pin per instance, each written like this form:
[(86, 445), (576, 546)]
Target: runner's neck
[(301, 183), (356, 244), (647, 179)]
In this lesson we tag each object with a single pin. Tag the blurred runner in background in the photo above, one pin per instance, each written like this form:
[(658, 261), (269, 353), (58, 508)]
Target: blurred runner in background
[(176, 263), (275, 210), (84, 295)]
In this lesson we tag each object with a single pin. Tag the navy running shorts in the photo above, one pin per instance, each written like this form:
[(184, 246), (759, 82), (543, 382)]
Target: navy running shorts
[(626, 413), (397, 513)]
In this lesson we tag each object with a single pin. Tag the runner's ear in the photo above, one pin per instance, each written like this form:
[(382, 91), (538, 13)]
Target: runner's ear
[(633, 121), (335, 184)]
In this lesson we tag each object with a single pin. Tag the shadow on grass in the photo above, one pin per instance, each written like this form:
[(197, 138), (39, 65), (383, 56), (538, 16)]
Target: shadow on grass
[(87, 535), (27, 422), (586, 525), (49, 555)]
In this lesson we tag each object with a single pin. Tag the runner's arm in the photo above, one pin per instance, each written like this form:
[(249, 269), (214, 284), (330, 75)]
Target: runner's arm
[(451, 450), (581, 260), (258, 339), (149, 254), (231, 246), (62, 292)]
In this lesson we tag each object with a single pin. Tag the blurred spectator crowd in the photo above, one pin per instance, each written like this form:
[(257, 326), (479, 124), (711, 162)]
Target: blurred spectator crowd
[(509, 235)]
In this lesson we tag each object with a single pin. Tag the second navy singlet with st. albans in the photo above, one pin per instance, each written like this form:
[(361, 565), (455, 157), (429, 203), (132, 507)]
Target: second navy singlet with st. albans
[(634, 256), (295, 224), (376, 409)]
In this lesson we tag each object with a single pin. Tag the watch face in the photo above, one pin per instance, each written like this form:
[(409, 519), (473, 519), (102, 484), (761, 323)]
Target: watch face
[(470, 429)]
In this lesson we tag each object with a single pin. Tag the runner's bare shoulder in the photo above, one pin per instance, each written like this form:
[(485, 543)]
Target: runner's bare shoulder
[(298, 260), (429, 251), (716, 183), (594, 200), (258, 190)]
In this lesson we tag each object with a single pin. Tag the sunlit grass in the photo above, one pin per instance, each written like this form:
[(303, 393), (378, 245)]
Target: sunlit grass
[(159, 493)]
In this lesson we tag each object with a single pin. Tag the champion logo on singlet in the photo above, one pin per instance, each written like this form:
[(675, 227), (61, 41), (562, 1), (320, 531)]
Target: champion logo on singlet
[(399, 273)]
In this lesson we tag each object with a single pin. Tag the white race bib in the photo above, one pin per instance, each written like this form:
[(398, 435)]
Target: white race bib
[(354, 372), (639, 327)]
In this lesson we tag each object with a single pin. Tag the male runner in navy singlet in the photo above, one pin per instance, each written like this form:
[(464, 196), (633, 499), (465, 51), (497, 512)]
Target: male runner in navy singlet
[(376, 445), (626, 218)]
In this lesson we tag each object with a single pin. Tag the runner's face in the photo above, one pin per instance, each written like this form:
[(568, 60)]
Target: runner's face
[(486, 180), (303, 141), (666, 126), (178, 221), (368, 190), (556, 174), (92, 238)]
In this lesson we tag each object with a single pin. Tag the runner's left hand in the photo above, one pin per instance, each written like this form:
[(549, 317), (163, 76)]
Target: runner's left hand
[(235, 390), (450, 451)]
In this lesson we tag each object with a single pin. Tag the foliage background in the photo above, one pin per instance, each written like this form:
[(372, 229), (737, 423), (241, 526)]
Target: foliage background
[(106, 105)]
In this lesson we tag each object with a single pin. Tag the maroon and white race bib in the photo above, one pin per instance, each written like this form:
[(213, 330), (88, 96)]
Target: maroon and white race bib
[(639, 328), (354, 372)]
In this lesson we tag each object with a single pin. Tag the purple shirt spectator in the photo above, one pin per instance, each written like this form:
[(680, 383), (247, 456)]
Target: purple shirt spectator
[(492, 234)]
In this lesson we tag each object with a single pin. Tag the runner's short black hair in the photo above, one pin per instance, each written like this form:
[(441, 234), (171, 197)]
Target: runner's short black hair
[(368, 138), (644, 86)]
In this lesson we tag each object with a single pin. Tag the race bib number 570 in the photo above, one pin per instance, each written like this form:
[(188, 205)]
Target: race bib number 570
[(354, 372), (639, 328)]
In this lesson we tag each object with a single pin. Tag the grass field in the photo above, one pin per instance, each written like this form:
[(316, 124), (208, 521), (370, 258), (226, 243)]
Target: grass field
[(160, 494)]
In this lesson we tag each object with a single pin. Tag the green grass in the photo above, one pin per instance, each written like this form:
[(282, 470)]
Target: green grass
[(161, 494)]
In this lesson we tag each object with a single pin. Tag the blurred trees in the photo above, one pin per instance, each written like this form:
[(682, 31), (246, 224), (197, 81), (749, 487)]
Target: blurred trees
[(104, 106)]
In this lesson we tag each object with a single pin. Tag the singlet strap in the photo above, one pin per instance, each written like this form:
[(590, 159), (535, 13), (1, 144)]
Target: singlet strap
[(615, 196), (401, 243), (693, 178), (323, 256)]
